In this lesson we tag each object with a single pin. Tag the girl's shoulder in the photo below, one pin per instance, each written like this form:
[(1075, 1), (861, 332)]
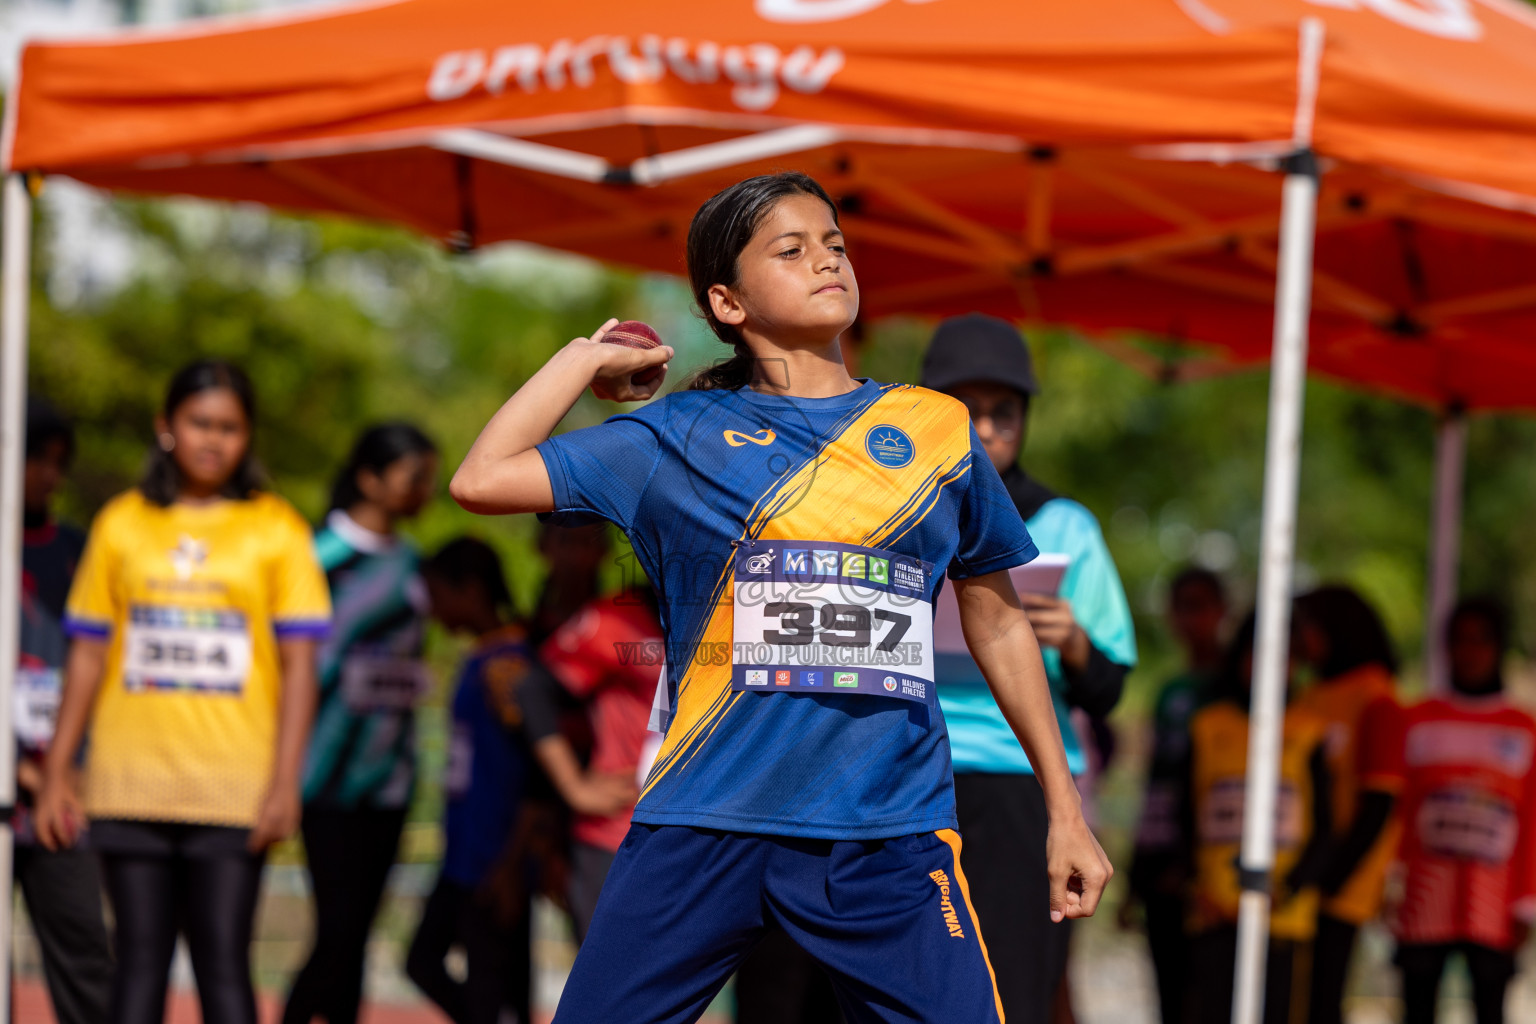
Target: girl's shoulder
[(274, 510)]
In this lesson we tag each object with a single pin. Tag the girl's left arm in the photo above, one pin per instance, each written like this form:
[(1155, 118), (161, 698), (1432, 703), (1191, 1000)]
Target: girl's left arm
[(282, 807), (1001, 640)]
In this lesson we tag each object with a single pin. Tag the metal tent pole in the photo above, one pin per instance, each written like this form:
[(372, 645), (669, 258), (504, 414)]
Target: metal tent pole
[(1445, 545), (15, 273), (1282, 462)]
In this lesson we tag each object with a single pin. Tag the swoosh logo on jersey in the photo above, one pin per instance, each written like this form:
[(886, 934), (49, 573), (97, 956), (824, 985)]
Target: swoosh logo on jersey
[(736, 438)]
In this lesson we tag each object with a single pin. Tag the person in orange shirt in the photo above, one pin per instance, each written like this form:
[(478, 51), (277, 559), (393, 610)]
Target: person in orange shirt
[(1342, 638), (1212, 812), (1469, 814)]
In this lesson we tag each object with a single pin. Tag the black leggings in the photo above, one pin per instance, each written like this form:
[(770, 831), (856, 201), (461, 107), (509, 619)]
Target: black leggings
[(498, 976), (211, 899), (350, 853), (1332, 950), (1423, 965)]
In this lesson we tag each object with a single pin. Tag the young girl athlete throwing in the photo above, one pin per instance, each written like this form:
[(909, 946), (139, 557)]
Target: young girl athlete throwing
[(797, 524)]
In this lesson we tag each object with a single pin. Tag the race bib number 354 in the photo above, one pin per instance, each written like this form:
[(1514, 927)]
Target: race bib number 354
[(823, 617), (198, 649)]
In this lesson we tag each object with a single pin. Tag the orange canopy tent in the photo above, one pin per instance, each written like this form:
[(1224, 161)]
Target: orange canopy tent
[(1004, 156), (1107, 163)]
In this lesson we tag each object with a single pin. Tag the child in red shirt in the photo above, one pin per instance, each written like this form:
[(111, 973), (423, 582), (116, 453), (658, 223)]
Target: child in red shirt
[(1469, 813)]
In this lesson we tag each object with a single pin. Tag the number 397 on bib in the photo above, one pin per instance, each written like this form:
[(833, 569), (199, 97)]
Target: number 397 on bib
[(825, 617)]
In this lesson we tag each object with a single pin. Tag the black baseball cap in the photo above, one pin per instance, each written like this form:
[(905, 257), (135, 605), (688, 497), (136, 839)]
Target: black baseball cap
[(976, 348)]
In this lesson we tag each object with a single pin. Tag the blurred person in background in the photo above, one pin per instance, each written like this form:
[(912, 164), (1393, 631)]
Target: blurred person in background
[(62, 887), (1197, 609), (490, 825), (574, 555), (1354, 690), (360, 773), (1469, 814), (1213, 815), (194, 619), (1089, 645), (606, 658)]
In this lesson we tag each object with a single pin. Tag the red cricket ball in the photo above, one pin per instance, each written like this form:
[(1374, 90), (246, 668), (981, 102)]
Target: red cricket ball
[(636, 334)]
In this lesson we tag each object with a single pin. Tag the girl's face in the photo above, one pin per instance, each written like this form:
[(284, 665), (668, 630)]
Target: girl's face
[(403, 486), (794, 282), (211, 436)]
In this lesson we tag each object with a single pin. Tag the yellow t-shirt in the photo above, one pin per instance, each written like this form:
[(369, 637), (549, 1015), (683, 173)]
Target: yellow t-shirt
[(1218, 772), (1356, 762), (192, 600)]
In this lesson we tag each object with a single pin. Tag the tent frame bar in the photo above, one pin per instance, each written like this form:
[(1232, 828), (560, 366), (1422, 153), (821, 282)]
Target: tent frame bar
[(1282, 465), (651, 170), (1445, 545), (1277, 543), (15, 286)]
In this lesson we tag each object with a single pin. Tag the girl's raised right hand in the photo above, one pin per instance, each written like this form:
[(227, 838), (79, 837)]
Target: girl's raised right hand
[(615, 367), (58, 816)]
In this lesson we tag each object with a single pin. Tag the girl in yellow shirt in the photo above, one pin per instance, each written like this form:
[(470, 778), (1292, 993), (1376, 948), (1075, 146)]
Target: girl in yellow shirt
[(194, 616)]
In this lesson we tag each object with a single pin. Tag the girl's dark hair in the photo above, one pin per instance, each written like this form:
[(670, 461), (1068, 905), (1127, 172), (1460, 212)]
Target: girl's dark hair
[(1232, 682), (161, 481), (1356, 635), (719, 232), (1488, 610), (1196, 577), (374, 451), (45, 425), (464, 560)]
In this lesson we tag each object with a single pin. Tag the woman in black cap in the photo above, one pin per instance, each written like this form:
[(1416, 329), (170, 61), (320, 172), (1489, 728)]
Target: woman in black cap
[(1089, 646)]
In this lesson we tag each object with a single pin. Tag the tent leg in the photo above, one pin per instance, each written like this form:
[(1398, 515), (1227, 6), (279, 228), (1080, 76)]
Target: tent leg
[(15, 276), (1445, 545), (1282, 462)]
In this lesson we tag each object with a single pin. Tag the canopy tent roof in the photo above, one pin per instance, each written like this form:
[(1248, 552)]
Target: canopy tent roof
[(1066, 162)]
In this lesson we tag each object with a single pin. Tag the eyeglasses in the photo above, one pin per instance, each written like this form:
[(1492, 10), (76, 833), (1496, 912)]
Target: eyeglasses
[(1005, 416)]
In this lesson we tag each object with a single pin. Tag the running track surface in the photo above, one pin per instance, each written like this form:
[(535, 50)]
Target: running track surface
[(32, 1007)]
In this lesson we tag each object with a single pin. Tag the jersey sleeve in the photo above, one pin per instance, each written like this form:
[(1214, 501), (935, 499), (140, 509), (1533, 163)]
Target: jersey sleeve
[(93, 605), (601, 472), (1522, 894), (992, 536), (1379, 753), (301, 601)]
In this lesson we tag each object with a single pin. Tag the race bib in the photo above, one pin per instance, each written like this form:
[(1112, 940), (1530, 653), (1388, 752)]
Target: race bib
[(35, 707), (1221, 814), (823, 617), (383, 682), (1469, 824), (202, 650)]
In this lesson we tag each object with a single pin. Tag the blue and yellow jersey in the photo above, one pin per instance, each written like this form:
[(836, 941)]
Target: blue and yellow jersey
[(192, 601), (692, 477)]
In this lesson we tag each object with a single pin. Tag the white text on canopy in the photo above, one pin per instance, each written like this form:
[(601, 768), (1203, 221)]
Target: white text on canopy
[(757, 71)]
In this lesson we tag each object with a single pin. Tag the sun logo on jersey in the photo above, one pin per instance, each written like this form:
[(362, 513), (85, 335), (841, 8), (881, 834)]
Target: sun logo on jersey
[(736, 438), (187, 555), (889, 446)]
